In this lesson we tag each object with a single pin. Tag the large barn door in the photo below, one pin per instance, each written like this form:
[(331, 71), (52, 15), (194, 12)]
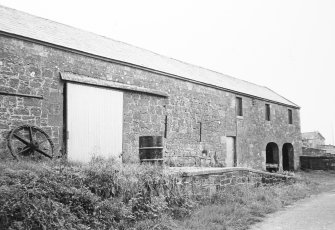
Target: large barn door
[(94, 122)]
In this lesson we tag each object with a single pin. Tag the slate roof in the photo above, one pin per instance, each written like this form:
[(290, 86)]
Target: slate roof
[(312, 135), (23, 24)]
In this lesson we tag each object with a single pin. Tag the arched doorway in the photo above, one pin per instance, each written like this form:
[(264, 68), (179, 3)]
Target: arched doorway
[(288, 157), (272, 157)]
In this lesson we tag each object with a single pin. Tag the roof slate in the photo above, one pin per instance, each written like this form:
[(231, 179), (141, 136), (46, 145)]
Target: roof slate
[(23, 24)]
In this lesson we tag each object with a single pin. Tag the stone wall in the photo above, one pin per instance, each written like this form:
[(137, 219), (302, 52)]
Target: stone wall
[(34, 69), (204, 181), (328, 148), (254, 133), (313, 151)]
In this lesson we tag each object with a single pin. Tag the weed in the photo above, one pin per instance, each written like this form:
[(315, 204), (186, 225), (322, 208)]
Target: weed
[(238, 207)]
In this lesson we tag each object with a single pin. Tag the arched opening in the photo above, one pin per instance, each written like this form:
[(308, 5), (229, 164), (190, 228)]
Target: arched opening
[(272, 157), (288, 157)]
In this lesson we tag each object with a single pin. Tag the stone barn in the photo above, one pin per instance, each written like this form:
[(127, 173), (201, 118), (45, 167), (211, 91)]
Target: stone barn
[(97, 96)]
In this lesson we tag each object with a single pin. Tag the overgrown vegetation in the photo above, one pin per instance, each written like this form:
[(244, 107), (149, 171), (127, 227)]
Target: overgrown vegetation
[(240, 206), (106, 195), (101, 195)]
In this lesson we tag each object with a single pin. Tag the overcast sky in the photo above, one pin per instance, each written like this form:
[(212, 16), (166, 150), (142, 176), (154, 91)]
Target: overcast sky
[(286, 45)]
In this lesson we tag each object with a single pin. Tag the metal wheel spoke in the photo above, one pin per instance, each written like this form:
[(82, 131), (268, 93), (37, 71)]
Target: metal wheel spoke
[(21, 139), (39, 143), (25, 149), (43, 153)]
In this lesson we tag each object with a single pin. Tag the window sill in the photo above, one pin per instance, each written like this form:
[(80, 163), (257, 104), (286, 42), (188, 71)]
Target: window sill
[(240, 117)]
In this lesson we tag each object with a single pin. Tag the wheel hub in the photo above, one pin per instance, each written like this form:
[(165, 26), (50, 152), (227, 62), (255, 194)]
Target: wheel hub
[(34, 145)]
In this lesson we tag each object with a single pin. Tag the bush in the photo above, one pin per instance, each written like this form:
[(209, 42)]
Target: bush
[(100, 195)]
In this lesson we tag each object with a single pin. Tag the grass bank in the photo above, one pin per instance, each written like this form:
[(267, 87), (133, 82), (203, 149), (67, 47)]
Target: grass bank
[(106, 195), (241, 206)]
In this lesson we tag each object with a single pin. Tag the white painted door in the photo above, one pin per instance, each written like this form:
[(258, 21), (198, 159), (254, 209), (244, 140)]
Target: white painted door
[(94, 122), (230, 150)]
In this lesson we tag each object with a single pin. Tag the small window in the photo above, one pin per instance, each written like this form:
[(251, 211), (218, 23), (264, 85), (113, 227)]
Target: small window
[(290, 117), (239, 108), (267, 112)]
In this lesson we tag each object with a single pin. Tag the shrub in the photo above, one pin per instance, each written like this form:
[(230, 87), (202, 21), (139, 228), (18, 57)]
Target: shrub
[(100, 195)]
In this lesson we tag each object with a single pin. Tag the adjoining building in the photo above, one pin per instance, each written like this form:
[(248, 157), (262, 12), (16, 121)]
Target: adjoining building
[(312, 139), (95, 95), (313, 144)]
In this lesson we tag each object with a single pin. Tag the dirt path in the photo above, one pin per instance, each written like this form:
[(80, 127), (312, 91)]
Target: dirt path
[(314, 213)]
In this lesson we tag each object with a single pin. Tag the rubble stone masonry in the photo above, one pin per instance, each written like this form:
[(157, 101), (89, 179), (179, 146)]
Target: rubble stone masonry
[(208, 182), (34, 69)]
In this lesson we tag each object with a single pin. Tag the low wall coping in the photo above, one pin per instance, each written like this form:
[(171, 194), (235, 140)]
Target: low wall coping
[(319, 156), (199, 171)]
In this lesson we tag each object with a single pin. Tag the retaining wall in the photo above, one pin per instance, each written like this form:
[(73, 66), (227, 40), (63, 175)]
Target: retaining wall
[(313, 151), (200, 181)]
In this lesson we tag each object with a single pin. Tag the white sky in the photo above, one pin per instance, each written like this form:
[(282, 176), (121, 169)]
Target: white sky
[(286, 45)]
